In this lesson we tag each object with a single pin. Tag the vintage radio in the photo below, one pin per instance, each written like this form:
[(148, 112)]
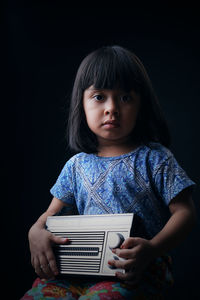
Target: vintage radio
[(92, 238)]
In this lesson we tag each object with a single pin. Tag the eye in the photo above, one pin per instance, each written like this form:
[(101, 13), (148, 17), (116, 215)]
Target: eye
[(126, 98), (98, 97)]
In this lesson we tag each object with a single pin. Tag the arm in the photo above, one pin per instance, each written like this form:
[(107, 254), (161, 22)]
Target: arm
[(183, 217), (41, 240), (140, 252)]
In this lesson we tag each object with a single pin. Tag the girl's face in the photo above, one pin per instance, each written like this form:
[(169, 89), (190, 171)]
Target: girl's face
[(111, 114)]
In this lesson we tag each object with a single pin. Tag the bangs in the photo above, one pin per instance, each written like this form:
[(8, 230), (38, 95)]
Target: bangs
[(109, 68)]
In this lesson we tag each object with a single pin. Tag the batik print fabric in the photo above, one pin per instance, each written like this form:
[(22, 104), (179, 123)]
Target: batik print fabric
[(150, 288), (141, 182)]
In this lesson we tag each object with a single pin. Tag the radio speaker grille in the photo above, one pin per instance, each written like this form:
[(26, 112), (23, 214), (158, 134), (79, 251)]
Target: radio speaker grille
[(82, 257)]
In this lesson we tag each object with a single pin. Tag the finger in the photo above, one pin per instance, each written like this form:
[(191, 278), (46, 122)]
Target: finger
[(52, 262), (45, 267), (128, 276), (133, 280), (37, 268), (122, 264), (58, 240), (130, 242), (124, 253)]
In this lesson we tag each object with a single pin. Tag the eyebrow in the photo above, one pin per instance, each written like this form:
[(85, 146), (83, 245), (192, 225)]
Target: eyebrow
[(94, 90)]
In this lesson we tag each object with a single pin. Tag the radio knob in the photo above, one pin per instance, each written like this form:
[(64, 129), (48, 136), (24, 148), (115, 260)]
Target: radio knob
[(115, 240)]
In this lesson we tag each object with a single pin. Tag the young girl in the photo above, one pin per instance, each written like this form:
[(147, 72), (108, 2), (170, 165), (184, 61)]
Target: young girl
[(123, 165)]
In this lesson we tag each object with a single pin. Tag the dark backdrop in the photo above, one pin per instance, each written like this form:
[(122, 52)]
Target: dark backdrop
[(44, 44)]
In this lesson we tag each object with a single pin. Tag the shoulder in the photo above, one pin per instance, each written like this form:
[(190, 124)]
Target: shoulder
[(82, 156), (77, 159), (158, 152), (154, 155)]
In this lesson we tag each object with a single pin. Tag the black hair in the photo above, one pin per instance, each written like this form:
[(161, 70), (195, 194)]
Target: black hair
[(107, 68)]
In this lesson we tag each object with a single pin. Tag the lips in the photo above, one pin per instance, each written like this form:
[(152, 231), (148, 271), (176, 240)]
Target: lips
[(111, 124)]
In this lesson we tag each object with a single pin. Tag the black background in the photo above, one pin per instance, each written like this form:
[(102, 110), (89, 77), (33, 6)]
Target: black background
[(44, 43)]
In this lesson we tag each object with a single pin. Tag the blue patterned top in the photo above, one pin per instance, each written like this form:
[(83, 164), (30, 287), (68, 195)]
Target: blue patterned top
[(143, 181)]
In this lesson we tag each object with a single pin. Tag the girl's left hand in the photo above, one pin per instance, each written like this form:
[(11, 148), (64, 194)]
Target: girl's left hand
[(138, 253)]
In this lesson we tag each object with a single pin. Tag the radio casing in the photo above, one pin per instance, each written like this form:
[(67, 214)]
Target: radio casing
[(91, 240)]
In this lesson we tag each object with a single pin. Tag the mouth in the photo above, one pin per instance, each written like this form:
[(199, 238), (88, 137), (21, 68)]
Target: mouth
[(111, 124)]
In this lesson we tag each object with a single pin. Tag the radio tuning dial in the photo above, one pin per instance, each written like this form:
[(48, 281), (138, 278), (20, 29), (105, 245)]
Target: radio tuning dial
[(115, 240)]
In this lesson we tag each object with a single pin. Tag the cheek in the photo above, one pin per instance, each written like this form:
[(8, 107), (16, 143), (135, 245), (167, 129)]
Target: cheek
[(88, 112), (89, 119), (92, 118), (130, 119), (131, 115)]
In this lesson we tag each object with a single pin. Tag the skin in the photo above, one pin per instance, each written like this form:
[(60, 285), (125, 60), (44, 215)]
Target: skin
[(122, 108), (141, 252), (113, 138)]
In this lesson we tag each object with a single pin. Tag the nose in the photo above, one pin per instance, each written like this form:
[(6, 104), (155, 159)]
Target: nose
[(111, 107)]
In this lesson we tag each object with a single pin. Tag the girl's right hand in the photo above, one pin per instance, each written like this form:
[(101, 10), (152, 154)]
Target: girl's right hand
[(42, 256)]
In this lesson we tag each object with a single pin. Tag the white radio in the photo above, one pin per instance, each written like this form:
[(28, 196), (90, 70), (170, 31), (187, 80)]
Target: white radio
[(92, 238)]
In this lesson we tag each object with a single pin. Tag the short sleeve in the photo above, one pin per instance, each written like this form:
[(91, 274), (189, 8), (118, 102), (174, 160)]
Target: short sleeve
[(171, 179), (63, 188)]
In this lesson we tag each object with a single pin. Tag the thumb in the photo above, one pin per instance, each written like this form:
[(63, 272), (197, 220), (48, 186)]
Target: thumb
[(58, 240), (130, 242)]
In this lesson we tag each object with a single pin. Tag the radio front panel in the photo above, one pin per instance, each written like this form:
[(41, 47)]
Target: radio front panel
[(92, 239)]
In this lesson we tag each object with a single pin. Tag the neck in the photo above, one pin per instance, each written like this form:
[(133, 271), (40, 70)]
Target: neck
[(112, 149)]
